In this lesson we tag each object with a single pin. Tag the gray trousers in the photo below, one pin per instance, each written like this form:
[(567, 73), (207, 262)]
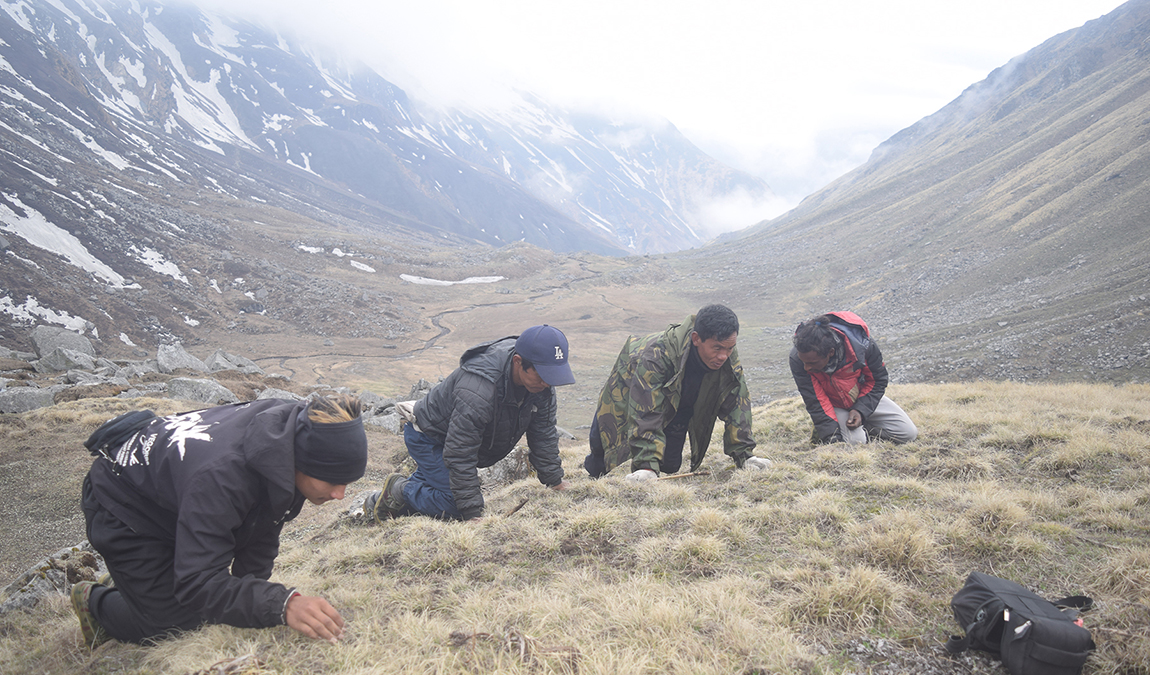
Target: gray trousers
[(888, 422)]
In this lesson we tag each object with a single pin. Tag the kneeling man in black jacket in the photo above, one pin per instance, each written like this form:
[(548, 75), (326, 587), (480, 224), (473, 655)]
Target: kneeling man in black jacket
[(500, 391), (187, 513)]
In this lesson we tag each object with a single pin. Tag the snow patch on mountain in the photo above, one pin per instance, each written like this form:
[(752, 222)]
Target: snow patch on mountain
[(34, 228)]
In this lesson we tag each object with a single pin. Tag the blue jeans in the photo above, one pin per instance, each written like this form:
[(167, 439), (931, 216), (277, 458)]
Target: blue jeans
[(428, 491)]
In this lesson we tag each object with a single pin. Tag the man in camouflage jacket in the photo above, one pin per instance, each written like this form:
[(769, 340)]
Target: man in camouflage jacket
[(670, 386)]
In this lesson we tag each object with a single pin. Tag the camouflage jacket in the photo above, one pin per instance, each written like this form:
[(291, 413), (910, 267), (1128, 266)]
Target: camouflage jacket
[(642, 393)]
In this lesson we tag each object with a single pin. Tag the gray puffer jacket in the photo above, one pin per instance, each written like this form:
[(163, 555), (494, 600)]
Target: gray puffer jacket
[(479, 415)]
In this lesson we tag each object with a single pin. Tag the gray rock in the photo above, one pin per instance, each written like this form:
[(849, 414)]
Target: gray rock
[(139, 368), (171, 357), (54, 575), (23, 399), (272, 392), (62, 358), (563, 433), (390, 421), (419, 390), (222, 360), (515, 466), (355, 512), (107, 372), (84, 377), (374, 404), (202, 391), (46, 339)]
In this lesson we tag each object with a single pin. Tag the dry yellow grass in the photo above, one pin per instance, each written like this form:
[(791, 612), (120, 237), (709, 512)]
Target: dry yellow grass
[(786, 570)]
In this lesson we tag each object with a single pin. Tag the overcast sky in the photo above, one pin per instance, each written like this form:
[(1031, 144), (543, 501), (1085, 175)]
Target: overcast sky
[(797, 93)]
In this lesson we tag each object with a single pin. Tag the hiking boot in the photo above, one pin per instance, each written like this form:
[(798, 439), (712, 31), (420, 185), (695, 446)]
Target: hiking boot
[(94, 633), (389, 502)]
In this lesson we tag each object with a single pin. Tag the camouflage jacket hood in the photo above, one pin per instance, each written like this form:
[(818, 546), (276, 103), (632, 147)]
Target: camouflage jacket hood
[(642, 394)]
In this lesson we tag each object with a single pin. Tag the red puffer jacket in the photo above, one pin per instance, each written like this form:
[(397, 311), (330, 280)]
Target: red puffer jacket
[(857, 383)]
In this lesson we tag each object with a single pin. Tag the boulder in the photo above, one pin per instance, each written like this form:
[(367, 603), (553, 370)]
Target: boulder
[(272, 392), (419, 390), (171, 357), (222, 360), (515, 466), (139, 368), (85, 377), (373, 401), (389, 420), (52, 576), (201, 391), (6, 353), (46, 339), (23, 399), (63, 358)]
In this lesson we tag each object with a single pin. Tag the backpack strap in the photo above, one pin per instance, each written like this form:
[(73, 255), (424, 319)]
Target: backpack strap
[(1079, 602), (1072, 605), (860, 342), (956, 644)]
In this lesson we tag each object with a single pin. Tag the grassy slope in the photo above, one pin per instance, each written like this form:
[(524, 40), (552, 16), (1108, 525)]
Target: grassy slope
[(833, 560)]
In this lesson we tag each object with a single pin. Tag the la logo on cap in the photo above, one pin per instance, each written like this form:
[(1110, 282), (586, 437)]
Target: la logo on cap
[(545, 347)]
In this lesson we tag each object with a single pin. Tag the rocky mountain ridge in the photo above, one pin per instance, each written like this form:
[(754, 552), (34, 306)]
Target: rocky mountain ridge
[(1002, 237)]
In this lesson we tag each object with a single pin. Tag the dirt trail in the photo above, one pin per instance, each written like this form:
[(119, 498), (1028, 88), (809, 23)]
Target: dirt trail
[(282, 361)]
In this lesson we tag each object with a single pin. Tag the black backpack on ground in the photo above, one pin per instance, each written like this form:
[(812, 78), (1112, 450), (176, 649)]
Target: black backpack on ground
[(1031, 635)]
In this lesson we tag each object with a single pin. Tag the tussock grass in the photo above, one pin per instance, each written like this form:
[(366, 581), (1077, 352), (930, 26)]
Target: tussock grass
[(780, 571), (860, 598), (899, 542)]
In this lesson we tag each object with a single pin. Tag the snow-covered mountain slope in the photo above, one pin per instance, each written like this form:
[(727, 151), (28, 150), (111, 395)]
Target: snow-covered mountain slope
[(134, 79), (643, 183)]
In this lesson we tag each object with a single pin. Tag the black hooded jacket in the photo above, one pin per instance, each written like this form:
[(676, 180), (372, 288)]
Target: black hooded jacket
[(218, 484), (478, 414)]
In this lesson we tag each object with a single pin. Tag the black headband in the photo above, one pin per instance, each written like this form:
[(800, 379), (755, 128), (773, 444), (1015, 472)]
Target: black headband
[(334, 453)]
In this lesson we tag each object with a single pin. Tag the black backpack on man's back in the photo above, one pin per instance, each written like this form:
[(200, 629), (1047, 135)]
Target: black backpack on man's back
[(1031, 635)]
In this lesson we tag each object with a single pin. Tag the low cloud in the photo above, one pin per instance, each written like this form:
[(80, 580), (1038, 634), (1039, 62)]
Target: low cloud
[(737, 210)]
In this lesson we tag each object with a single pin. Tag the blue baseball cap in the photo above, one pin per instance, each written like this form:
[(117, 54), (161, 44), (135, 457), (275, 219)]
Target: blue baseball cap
[(546, 348)]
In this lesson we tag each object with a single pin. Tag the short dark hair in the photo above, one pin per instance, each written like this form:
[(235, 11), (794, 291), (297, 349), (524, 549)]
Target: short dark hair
[(716, 321), (815, 335), (524, 363)]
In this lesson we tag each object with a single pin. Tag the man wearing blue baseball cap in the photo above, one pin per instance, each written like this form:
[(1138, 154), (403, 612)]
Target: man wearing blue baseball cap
[(471, 420)]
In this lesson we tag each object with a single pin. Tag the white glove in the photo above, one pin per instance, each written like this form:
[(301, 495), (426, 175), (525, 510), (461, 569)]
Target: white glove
[(642, 475), (758, 463)]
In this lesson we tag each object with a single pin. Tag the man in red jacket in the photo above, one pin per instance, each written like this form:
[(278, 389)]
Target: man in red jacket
[(842, 378)]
